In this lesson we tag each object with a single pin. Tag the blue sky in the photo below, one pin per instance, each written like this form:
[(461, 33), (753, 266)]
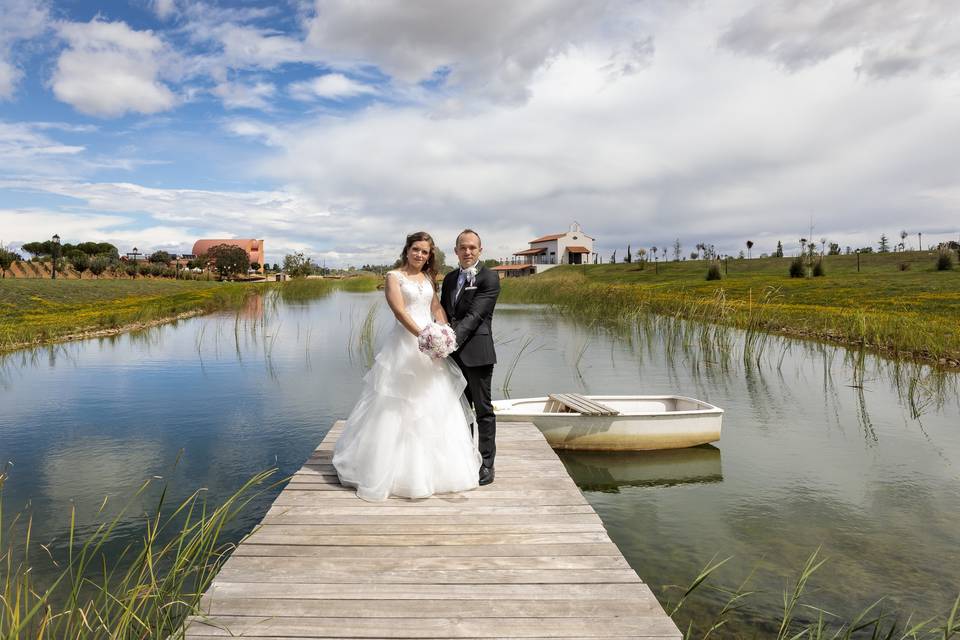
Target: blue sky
[(336, 127)]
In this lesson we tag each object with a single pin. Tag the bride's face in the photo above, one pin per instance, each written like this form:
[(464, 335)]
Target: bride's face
[(418, 254)]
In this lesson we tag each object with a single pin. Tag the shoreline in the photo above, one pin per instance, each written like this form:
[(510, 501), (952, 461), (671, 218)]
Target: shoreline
[(103, 333)]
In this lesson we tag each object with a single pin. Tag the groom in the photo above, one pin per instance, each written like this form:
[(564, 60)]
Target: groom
[(468, 296)]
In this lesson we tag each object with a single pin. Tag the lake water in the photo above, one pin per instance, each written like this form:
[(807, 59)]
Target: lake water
[(859, 458)]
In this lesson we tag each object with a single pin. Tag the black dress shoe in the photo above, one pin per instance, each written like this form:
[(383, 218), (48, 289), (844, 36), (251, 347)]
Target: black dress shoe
[(486, 475)]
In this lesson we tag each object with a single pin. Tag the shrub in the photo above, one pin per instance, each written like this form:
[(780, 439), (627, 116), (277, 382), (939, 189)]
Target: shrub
[(160, 257), (904, 266), (944, 261), (797, 270), (7, 258), (713, 272), (79, 260), (819, 270), (98, 264)]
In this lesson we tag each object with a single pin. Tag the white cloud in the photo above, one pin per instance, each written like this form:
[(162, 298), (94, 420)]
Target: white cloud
[(239, 46), (110, 69), (332, 86), (488, 48), (29, 225), (239, 95), (889, 38), (164, 9), (9, 75), (703, 144), (24, 148), (19, 20), (645, 122), (260, 131)]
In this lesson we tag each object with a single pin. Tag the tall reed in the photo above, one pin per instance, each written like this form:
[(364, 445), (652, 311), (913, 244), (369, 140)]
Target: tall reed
[(900, 334), (145, 591), (797, 618)]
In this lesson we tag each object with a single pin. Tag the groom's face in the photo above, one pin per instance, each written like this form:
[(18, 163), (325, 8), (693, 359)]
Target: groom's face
[(468, 249)]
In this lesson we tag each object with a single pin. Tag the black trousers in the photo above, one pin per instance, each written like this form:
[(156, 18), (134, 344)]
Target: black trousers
[(478, 395)]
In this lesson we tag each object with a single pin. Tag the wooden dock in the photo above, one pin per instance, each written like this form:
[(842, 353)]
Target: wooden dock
[(524, 557)]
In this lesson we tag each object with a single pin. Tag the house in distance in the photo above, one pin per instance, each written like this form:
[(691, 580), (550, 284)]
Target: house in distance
[(572, 247)]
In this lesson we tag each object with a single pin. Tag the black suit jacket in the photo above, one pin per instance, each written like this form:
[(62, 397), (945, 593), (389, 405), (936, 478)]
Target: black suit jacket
[(472, 315)]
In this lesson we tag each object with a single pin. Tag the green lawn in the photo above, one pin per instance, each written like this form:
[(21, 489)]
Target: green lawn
[(36, 310), (913, 311)]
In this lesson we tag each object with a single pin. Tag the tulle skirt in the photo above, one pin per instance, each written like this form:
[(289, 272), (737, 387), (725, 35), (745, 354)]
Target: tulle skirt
[(408, 434)]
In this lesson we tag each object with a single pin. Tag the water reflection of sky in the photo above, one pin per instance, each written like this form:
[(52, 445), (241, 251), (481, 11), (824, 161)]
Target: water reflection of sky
[(815, 451)]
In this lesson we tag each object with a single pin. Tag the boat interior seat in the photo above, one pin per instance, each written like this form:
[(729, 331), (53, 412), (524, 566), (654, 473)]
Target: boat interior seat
[(576, 403)]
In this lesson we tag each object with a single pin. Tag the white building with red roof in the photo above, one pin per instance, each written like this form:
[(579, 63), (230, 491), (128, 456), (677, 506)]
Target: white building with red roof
[(545, 252)]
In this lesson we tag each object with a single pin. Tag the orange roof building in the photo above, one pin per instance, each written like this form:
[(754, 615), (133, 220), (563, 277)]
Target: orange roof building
[(254, 248)]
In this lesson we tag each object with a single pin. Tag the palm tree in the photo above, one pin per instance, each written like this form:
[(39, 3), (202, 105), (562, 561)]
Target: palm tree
[(749, 247)]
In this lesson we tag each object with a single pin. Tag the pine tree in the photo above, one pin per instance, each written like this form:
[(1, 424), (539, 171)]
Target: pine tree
[(779, 252), (884, 244)]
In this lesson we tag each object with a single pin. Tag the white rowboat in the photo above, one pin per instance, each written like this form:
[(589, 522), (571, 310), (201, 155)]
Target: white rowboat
[(617, 423)]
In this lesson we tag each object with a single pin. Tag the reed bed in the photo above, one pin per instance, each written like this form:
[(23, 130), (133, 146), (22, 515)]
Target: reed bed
[(798, 618), (893, 332), (145, 590)]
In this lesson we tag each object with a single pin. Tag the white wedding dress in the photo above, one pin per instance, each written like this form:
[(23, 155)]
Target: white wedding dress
[(408, 435)]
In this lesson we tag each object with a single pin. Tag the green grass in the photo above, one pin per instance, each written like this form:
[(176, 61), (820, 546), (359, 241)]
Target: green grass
[(145, 591), (799, 618), (910, 313), (35, 311)]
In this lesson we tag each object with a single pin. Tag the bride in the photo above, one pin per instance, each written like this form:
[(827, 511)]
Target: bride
[(408, 435)]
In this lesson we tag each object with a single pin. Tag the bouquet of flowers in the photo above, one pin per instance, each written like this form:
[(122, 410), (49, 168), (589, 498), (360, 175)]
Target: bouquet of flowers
[(437, 340)]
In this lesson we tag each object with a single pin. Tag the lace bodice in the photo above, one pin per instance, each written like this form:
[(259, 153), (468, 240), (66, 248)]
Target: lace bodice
[(417, 296)]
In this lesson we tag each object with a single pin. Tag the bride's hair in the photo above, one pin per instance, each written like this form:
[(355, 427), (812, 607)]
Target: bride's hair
[(430, 266)]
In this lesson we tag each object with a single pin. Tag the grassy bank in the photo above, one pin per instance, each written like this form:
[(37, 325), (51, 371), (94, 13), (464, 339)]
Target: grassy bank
[(897, 304), (35, 311)]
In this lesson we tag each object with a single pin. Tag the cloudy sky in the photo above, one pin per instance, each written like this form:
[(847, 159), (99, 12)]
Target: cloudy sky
[(336, 127)]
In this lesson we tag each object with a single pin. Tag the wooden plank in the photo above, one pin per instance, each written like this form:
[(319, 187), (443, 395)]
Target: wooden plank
[(433, 551), (525, 557), (464, 563), (267, 535), (508, 499), (634, 592), (319, 484), (583, 405), (440, 627), (467, 607), (347, 575), (399, 529), (337, 507), (293, 516)]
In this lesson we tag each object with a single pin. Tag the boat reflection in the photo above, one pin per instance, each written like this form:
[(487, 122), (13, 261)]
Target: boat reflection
[(609, 471)]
